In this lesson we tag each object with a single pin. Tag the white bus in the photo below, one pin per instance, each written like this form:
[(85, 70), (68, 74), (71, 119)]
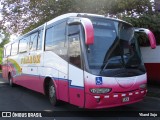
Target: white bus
[(87, 60)]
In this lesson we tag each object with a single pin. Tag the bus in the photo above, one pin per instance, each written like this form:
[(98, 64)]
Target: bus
[(87, 60)]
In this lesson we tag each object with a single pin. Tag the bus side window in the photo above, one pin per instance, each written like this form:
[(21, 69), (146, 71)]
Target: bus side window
[(39, 42), (56, 40), (23, 45), (33, 41), (14, 50), (59, 40), (8, 50), (74, 46), (49, 39)]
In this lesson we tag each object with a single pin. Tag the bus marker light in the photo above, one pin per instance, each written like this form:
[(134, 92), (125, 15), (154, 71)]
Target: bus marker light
[(123, 95), (115, 96), (137, 93), (107, 96), (130, 93), (97, 97), (142, 91)]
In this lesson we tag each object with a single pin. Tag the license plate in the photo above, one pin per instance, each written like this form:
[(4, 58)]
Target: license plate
[(125, 99)]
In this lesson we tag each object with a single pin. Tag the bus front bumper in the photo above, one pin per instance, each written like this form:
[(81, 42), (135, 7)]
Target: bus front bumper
[(114, 99)]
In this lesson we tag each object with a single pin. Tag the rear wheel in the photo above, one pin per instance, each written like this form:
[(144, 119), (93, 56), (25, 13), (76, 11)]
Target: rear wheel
[(52, 93)]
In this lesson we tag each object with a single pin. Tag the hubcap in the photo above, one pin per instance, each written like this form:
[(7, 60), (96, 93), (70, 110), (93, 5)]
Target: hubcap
[(52, 91)]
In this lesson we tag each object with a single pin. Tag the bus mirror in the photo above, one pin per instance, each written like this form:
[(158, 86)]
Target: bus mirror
[(88, 28), (89, 31), (150, 36)]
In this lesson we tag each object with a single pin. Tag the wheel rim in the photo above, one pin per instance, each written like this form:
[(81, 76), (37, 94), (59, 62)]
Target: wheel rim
[(51, 92)]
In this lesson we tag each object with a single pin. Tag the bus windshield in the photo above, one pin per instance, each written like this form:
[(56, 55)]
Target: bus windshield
[(115, 52)]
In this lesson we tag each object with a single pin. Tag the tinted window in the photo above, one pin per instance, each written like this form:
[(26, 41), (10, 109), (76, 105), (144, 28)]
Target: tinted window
[(39, 44), (33, 41), (49, 39), (23, 45), (8, 50), (14, 50), (56, 40)]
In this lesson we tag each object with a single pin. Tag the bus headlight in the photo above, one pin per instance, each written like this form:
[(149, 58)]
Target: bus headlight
[(100, 90), (143, 86)]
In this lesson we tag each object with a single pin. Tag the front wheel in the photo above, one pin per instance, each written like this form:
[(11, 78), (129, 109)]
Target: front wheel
[(52, 94)]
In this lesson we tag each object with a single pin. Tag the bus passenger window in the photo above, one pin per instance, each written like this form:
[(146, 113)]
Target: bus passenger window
[(56, 40), (33, 41), (23, 45), (8, 50), (49, 39), (14, 50), (39, 43)]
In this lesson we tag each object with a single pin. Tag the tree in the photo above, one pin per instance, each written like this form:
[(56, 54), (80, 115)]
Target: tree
[(25, 16)]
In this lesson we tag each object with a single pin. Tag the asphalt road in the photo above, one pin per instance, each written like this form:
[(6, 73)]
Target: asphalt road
[(22, 99)]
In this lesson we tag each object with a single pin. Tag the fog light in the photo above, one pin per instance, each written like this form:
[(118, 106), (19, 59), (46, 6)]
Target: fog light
[(143, 86), (100, 90)]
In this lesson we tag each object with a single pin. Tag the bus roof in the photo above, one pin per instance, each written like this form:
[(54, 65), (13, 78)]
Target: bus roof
[(82, 15)]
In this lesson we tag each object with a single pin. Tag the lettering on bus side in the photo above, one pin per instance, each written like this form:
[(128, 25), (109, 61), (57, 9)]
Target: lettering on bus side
[(31, 59)]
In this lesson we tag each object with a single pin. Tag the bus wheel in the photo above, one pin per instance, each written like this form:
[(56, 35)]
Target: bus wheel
[(52, 93), (10, 81)]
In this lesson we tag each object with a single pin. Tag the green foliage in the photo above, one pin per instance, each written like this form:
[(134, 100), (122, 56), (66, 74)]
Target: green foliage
[(5, 40), (150, 21), (26, 16)]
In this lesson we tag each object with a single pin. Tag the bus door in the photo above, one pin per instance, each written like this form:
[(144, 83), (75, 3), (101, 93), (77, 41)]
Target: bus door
[(76, 74)]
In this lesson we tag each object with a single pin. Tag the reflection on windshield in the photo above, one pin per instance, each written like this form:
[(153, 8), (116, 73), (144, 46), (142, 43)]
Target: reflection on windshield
[(115, 48)]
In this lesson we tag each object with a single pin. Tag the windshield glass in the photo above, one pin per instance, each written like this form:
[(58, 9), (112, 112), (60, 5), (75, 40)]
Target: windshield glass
[(115, 51)]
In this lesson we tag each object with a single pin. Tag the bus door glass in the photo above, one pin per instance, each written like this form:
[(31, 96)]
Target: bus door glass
[(76, 91)]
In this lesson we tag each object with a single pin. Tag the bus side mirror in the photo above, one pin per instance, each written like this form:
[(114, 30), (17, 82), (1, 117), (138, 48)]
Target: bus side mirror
[(150, 36), (89, 31), (88, 28)]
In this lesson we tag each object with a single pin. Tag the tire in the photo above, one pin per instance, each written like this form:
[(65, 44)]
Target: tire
[(52, 93), (10, 81)]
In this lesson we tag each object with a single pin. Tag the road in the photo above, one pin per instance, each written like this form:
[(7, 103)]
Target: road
[(22, 99)]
